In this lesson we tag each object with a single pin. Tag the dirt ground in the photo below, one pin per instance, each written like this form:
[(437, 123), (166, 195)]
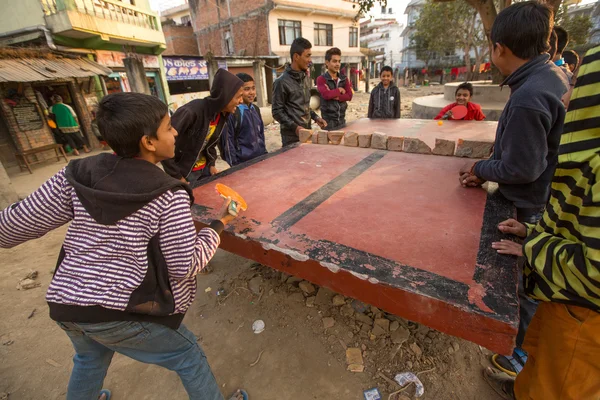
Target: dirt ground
[(300, 355)]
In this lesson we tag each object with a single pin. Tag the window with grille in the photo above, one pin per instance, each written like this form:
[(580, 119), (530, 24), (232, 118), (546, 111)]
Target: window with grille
[(186, 19), (323, 35), (288, 31), (353, 37)]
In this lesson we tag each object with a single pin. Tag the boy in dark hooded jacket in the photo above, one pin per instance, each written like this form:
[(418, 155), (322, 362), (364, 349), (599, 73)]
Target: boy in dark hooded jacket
[(385, 98), (200, 124)]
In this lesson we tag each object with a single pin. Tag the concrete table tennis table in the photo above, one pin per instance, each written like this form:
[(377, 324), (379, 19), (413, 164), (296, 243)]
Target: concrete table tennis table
[(392, 229)]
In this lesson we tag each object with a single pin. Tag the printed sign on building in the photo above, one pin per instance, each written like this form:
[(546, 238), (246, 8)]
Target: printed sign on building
[(183, 69), (114, 59)]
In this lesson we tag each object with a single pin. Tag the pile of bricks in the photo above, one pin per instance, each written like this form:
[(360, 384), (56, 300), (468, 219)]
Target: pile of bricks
[(381, 141)]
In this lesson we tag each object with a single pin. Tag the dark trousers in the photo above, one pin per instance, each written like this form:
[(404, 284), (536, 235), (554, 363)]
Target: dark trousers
[(527, 305)]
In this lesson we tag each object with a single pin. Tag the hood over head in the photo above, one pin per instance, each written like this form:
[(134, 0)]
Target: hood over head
[(225, 86), (112, 188)]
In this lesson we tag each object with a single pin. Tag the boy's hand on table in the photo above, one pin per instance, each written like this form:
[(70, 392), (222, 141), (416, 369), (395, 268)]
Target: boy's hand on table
[(513, 227), (508, 247), (469, 180)]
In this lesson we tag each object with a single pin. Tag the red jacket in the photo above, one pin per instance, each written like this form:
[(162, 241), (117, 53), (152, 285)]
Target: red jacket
[(473, 112)]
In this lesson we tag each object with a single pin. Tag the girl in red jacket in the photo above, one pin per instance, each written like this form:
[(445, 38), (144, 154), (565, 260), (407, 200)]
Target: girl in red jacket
[(463, 94)]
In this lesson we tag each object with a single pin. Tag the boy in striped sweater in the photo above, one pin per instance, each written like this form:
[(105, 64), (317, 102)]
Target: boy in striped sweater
[(563, 262), (126, 274)]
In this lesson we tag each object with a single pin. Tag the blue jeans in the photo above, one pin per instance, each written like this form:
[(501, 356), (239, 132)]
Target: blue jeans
[(527, 306), (176, 350)]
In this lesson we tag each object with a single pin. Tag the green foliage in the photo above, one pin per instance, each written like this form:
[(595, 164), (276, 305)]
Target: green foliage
[(364, 6), (442, 28), (579, 26)]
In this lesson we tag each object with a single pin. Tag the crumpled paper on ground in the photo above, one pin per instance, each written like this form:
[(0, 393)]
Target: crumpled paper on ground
[(406, 378)]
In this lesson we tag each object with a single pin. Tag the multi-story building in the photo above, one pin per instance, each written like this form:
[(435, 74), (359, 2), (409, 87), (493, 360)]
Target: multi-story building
[(409, 56), (383, 35), (257, 28)]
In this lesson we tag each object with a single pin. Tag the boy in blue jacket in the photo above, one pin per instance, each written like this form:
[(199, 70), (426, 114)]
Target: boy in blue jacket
[(245, 128)]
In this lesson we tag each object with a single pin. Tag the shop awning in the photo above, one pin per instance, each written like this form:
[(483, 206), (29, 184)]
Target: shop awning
[(47, 69)]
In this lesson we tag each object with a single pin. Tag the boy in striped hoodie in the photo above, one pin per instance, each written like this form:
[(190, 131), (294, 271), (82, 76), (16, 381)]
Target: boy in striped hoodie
[(126, 273), (563, 262)]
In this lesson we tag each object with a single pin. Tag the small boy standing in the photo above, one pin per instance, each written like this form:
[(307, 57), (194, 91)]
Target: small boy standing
[(335, 89), (385, 98), (126, 274), (528, 135), (245, 128)]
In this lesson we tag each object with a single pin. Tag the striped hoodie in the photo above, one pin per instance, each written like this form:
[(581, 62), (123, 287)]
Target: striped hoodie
[(563, 249), (131, 251)]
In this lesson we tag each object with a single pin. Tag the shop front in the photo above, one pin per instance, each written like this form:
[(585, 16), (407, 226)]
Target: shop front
[(27, 87), (187, 78)]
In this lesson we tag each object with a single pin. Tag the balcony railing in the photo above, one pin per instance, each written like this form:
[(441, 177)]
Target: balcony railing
[(107, 9)]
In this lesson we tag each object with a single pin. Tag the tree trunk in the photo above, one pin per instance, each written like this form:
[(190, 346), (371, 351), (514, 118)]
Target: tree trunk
[(554, 5), (487, 13)]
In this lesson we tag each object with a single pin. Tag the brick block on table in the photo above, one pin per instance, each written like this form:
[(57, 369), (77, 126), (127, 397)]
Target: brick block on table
[(473, 148), (395, 143), (335, 137), (444, 147), (351, 139), (364, 140), (322, 137), (305, 135), (379, 141), (315, 137), (414, 145)]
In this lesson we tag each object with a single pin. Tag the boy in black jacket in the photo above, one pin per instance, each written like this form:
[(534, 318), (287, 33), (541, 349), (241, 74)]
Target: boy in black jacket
[(529, 129), (200, 124), (385, 98)]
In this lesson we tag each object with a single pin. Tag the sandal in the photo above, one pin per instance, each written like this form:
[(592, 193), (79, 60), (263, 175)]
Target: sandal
[(502, 384), (106, 393), (237, 393), (510, 365)]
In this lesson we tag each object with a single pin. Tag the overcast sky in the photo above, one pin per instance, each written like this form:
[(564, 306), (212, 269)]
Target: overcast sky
[(397, 6)]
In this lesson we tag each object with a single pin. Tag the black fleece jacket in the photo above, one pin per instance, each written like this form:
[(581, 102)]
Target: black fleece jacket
[(192, 124), (528, 134)]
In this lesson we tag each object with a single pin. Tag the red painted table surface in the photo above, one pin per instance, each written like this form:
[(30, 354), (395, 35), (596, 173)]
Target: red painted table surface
[(389, 228)]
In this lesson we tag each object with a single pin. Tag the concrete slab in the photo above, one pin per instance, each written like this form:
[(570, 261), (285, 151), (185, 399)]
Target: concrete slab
[(389, 228)]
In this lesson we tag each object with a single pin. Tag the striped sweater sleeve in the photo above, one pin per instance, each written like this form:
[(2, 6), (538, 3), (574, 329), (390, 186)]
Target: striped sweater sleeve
[(186, 252), (46, 209), (563, 249)]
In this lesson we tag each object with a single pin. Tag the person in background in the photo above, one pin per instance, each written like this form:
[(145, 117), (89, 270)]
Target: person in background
[(571, 60), (562, 270), (526, 145), (464, 94), (562, 40), (385, 97), (200, 124), (336, 91), (291, 94), (66, 121), (245, 128)]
